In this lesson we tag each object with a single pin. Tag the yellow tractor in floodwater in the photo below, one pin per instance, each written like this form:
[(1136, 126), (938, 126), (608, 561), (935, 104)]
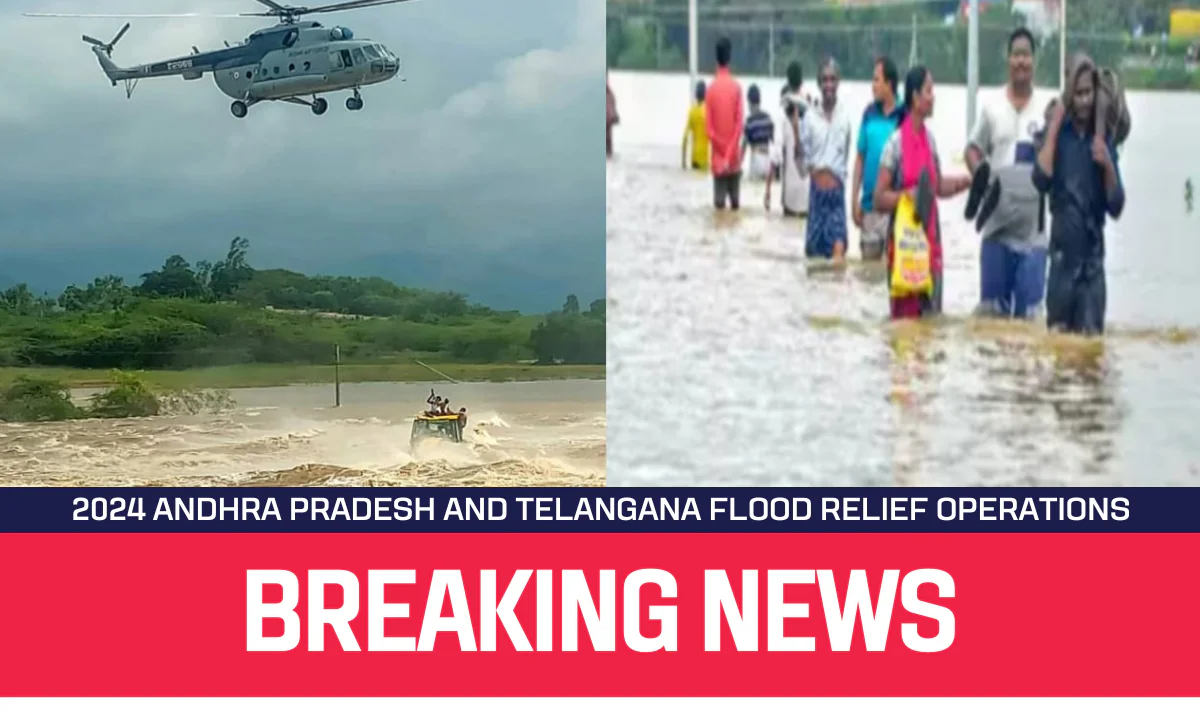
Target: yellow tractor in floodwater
[(444, 427)]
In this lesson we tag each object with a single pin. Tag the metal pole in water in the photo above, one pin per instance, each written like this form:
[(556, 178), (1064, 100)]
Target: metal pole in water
[(658, 44), (337, 376), (913, 56), (771, 48), (692, 44), (1062, 45), (972, 62), (436, 371)]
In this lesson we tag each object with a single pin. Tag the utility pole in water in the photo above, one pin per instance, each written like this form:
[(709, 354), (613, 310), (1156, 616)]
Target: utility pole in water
[(972, 62), (692, 44), (337, 375), (913, 56), (1062, 45)]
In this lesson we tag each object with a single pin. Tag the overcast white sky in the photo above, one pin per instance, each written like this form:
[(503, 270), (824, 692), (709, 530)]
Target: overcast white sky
[(483, 173)]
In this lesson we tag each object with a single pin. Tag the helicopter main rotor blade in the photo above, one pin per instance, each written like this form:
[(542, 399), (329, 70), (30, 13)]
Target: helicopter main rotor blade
[(120, 35), (350, 5), (134, 15), (273, 5)]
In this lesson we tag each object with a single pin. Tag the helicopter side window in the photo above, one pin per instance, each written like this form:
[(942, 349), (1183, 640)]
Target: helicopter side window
[(359, 57), (346, 58), (335, 61), (307, 66)]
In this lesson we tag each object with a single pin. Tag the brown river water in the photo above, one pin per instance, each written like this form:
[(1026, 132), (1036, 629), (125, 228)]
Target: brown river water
[(733, 362), (520, 434)]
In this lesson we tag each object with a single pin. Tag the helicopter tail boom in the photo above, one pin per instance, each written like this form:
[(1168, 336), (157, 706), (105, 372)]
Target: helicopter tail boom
[(111, 69), (103, 51)]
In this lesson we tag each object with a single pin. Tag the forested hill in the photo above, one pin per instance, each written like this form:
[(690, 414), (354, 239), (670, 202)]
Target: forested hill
[(227, 312)]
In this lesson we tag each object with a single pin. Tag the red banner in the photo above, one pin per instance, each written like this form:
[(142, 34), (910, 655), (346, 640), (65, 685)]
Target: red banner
[(944, 615)]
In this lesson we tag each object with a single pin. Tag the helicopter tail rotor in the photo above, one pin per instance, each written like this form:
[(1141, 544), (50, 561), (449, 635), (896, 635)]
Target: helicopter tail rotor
[(107, 47)]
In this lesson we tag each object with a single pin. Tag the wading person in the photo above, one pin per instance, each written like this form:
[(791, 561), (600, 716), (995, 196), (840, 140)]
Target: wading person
[(1003, 199), (724, 115), (825, 137), (789, 163), (1077, 168), (696, 131), (759, 136), (879, 121), (790, 94), (909, 162)]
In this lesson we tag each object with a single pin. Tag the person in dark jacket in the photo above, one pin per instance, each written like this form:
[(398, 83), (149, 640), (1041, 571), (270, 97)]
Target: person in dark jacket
[(1077, 168)]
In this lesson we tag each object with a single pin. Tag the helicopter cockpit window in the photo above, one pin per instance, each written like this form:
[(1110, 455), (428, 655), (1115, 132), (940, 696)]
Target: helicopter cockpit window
[(359, 57), (346, 58), (335, 61), (372, 52)]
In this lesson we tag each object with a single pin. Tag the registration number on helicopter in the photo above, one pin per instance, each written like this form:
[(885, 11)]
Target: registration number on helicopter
[(179, 65)]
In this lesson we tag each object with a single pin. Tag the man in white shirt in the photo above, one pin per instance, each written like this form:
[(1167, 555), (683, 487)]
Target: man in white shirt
[(789, 160), (1003, 200), (825, 138)]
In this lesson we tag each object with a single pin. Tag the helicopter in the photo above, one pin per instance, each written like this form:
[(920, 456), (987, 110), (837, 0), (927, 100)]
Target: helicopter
[(288, 62)]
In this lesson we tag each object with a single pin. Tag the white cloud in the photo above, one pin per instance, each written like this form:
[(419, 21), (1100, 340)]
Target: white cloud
[(537, 79)]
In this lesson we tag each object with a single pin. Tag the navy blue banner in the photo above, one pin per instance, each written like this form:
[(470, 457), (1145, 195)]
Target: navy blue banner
[(599, 510)]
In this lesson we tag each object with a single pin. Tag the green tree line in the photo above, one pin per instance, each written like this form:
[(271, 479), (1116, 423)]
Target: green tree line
[(653, 35), (227, 312)]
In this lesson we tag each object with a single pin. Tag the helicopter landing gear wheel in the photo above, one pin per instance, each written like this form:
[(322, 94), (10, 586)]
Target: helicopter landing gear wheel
[(239, 109), (319, 106), (354, 103)]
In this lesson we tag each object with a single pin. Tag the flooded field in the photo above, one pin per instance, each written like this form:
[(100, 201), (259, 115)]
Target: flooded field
[(732, 361), (520, 434)]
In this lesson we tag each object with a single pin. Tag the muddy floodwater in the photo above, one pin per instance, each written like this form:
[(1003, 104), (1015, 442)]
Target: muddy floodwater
[(732, 361), (520, 434)]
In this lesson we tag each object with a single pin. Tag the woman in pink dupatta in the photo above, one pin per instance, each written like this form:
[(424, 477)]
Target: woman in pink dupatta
[(908, 155)]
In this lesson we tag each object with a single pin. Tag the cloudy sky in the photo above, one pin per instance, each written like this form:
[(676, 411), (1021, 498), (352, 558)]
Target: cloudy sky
[(483, 173)]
